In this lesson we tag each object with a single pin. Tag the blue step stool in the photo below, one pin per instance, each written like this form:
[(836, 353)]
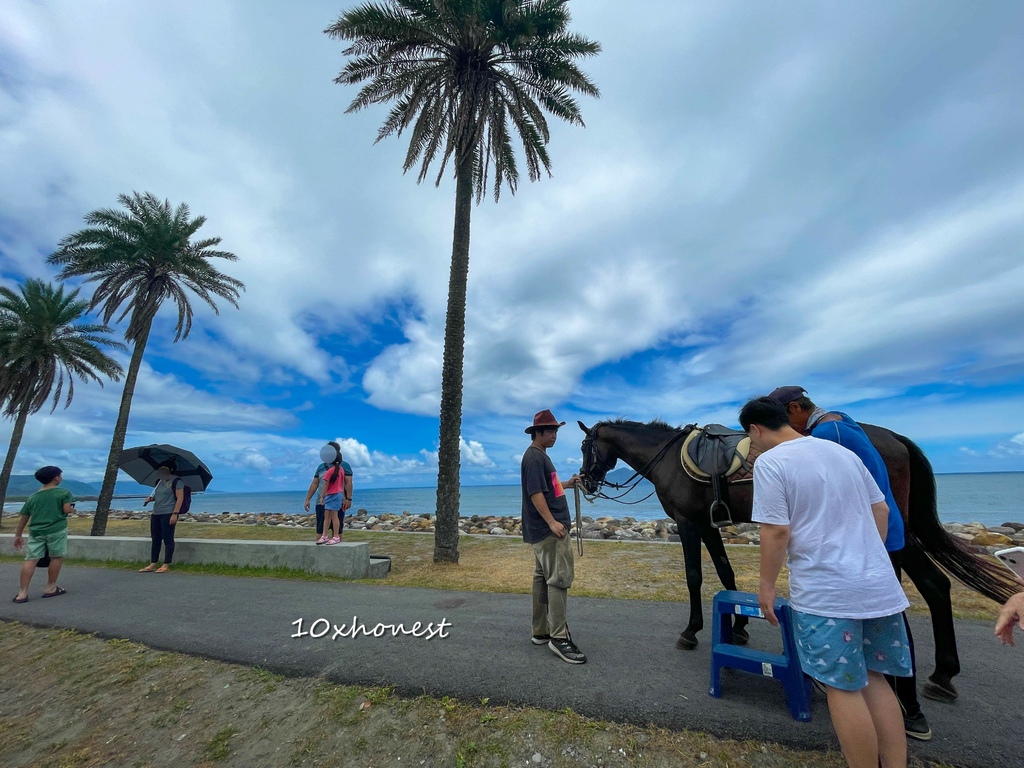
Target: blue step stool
[(785, 667)]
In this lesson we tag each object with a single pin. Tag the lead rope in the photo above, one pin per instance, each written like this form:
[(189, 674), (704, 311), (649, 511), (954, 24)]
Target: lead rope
[(579, 522)]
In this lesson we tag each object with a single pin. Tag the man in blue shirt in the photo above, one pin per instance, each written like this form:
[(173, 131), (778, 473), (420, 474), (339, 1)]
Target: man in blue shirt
[(808, 419)]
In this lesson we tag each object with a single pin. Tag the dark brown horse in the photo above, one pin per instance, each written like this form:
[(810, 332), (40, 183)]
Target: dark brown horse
[(652, 450)]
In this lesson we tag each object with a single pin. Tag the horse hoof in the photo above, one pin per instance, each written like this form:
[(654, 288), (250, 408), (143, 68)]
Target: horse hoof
[(740, 636), (938, 691), (685, 643)]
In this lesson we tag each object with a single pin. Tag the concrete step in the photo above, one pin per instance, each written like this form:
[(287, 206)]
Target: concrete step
[(349, 560)]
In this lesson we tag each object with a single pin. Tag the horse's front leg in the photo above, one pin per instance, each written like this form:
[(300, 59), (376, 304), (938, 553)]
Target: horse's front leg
[(716, 548), (934, 588), (689, 537)]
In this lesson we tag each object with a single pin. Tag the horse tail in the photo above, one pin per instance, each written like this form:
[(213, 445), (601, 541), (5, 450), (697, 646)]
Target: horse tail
[(986, 577)]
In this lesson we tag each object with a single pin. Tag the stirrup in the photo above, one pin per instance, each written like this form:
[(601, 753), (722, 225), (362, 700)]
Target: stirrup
[(721, 516)]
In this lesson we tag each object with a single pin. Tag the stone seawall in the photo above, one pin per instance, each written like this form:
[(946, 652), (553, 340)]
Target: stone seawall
[(1008, 534)]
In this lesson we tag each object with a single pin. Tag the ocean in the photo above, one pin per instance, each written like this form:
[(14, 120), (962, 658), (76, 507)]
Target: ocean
[(991, 499)]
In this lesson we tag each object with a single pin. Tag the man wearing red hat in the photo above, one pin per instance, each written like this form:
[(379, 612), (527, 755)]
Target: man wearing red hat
[(546, 525)]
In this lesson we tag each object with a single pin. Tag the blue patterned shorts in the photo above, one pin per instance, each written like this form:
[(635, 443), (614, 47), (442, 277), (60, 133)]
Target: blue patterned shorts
[(839, 652)]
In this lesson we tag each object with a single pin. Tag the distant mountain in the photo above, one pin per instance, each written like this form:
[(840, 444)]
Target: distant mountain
[(21, 486), (125, 488), (620, 475), (26, 485)]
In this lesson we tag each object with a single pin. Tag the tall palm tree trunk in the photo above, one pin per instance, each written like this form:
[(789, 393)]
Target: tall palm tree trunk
[(99, 522), (446, 531), (12, 451)]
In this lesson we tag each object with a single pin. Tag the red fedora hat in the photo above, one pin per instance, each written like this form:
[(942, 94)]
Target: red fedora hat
[(544, 418)]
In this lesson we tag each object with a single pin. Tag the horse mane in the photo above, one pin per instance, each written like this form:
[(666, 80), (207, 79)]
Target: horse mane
[(656, 425)]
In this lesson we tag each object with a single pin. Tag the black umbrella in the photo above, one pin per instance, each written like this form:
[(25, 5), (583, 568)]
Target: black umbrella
[(141, 464)]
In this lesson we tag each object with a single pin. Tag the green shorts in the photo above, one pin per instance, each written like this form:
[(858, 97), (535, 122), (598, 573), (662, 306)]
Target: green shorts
[(56, 544)]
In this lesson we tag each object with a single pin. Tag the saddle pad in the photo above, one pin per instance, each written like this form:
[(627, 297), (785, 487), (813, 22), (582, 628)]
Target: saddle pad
[(735, 472)]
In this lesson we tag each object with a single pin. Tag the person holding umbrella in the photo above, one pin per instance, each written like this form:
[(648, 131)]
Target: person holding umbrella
[(175, 474), (167, 498)]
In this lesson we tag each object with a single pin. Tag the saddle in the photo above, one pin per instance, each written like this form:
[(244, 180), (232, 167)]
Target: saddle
[(717, 456)]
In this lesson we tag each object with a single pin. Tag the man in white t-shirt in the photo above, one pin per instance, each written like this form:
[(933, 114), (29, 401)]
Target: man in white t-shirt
[(818, 504)]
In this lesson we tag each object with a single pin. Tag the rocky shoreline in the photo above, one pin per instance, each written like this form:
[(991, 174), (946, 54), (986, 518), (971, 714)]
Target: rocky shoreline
[(1008, 534)]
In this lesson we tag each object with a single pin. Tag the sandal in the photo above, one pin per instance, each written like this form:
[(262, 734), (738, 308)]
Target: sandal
[(335, 540), (22, 600), (162, 569), (147, 569), (56, 593)]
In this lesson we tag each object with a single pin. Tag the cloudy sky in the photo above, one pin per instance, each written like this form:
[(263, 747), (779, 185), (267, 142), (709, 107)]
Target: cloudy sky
[(816, 193)]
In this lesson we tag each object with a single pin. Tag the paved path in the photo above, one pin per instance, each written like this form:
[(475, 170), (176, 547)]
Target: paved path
[(634, 675)]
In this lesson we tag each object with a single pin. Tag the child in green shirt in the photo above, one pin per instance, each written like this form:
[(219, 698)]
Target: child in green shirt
[(45, 513)]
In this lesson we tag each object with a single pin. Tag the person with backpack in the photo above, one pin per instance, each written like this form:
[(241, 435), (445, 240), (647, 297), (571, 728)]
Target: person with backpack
[(168, 497)]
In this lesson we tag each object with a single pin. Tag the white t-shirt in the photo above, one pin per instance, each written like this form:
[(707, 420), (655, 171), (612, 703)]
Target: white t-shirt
[(838, 566)]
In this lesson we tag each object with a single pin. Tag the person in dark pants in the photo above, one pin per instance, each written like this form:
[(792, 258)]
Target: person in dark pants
[(167, 498), (808, 419)]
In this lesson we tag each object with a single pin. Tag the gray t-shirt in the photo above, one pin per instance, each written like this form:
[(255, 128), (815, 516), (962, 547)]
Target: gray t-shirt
[(164, 496)]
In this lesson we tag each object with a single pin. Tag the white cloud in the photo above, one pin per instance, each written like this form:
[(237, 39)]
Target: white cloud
[(252, 459), (473, 453), (742, 210)]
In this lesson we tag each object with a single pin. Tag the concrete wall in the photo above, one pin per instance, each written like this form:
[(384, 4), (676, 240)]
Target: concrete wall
[(348, 560)]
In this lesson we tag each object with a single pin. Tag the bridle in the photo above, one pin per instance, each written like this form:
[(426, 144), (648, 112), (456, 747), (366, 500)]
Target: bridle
[(592, 459)]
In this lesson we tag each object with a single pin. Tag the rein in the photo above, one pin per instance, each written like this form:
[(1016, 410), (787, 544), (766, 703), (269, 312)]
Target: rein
[(579, 522), (635, 478)]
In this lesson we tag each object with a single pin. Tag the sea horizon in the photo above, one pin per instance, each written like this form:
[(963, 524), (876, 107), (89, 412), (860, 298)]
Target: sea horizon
[(991, 498)]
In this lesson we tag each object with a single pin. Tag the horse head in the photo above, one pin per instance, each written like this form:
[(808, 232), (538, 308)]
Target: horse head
[(597, 460)]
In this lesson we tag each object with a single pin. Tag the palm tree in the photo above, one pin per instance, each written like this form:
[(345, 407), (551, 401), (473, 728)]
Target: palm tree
[(460, 73), (40, 348), (139, 258)]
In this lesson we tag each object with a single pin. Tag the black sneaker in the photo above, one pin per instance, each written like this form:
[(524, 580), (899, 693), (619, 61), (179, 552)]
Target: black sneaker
[(566, 650), (917, 727), (540, 639)]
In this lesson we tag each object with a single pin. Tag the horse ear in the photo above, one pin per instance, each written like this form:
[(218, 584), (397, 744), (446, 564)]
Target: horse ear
[(584, 427)]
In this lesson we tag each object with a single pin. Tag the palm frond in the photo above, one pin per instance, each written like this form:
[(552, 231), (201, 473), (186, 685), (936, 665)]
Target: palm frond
[(459, 72), (44, 347), (141, 257)]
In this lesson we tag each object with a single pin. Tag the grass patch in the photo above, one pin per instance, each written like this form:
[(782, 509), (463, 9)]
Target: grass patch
[(219, 747)]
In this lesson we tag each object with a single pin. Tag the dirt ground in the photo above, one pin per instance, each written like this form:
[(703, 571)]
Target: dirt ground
[(69, 700)]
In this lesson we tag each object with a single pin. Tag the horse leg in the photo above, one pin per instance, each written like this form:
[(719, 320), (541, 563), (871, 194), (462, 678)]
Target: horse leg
[(934, 588), (716, 548), (689, 537)]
